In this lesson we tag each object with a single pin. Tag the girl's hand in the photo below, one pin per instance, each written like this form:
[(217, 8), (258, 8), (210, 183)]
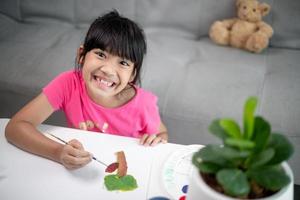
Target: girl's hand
[(154, 139), (73, 155)]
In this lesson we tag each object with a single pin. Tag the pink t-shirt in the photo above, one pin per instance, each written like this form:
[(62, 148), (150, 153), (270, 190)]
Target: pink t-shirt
[(140, 115)]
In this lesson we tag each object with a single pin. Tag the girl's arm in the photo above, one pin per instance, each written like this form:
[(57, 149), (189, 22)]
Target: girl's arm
[(154, 139), (21, 131)]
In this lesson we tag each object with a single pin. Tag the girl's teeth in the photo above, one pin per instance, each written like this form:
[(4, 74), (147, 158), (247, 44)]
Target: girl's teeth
[(107, 83)]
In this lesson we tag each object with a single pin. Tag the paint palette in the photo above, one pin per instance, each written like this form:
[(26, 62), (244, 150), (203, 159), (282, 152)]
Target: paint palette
[(177, 170)]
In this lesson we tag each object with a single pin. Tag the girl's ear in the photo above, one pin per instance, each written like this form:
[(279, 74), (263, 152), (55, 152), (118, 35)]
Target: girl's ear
[(132, 76), (79, 56)]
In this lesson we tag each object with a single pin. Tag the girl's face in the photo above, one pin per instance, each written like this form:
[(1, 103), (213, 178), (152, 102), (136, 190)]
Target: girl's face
[(105, 75)]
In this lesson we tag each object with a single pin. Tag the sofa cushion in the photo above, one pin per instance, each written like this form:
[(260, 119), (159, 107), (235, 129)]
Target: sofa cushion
[(201, 75), (280, 97), (35, 54), (8, 27), (165, 57), (282, 82)]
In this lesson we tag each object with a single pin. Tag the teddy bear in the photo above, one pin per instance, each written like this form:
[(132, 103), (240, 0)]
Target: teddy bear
[(246, 31)]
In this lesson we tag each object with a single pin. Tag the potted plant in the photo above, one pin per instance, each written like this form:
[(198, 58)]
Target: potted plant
[(250, 164)]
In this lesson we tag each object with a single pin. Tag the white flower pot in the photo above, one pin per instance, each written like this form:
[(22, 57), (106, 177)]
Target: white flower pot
[(198, 189)]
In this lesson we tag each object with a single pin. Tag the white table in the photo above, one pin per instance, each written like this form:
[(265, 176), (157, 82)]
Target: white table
[(27, 176)]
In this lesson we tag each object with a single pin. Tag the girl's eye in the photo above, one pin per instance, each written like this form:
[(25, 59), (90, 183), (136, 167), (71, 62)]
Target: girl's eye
[(101, 54), (124, 63)]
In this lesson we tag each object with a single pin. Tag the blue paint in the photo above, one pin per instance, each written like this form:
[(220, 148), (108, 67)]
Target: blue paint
[(185, 189)]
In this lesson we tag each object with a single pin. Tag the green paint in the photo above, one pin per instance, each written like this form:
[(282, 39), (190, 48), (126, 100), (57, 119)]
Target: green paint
[(125, 183)]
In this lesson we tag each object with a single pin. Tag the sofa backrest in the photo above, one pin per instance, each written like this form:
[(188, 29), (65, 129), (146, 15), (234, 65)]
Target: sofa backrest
[(191, 16), (286, 23), (11, 9), (87, 11)]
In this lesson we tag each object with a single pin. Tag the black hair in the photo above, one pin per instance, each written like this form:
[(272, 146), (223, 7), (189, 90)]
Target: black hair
[(119, 36)]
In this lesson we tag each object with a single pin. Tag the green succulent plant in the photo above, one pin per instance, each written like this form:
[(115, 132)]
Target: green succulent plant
[(253, 154)]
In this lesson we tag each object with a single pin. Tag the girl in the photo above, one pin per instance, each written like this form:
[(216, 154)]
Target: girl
[(99, 95)]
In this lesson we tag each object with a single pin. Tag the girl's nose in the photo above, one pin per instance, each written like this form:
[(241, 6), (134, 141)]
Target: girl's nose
[(109, 68)]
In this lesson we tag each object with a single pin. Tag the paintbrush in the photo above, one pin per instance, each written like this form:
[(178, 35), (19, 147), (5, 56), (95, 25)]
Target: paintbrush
[(109, 168)]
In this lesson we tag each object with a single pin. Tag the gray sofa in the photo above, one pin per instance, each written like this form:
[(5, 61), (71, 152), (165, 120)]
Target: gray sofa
[(196, 81)]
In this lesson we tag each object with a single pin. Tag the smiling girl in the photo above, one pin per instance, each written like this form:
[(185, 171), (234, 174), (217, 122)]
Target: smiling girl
[(101, 95)]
